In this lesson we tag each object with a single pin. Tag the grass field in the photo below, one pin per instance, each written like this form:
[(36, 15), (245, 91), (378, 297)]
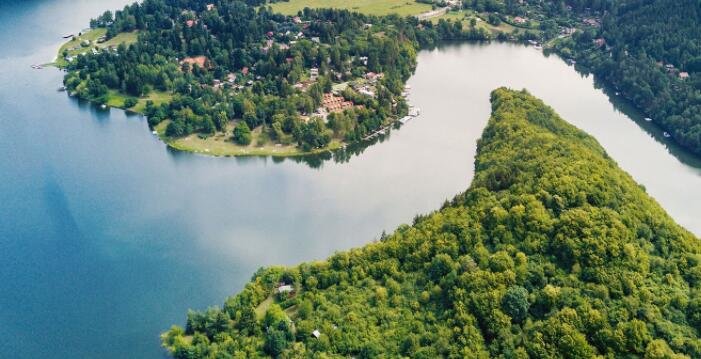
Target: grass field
[(116, 99), (74, 47), (465, 16), (370, 7), (221, 145)]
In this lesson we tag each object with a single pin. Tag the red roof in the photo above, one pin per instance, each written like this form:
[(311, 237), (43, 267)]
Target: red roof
[(244, 70), (190, 23)]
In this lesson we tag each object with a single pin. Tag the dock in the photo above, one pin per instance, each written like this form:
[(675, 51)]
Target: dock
[(413, 112)]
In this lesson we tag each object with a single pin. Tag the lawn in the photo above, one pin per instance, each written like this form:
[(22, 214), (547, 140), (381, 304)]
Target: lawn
[(221, 144), (450, 16), (465, 16), (74, 46), (116, 99), (371, 7)]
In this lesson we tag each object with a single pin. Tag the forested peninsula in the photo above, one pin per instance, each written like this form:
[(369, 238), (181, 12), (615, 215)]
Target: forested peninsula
[(233, 78), (553, 252)]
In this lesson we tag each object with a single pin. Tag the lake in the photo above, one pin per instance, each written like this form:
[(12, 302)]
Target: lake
[(107, 237)]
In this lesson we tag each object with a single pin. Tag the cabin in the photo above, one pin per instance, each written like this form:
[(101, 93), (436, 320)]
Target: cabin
[(371, 76), (600, 42), (591, 22), (285, 288), (210, 7), (520, 20), (316, 333), (684, 75), (190, 23)]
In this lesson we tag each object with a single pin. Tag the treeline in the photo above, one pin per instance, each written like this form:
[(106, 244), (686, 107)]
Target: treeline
[(554, 252), (227, 62), (651, 52)]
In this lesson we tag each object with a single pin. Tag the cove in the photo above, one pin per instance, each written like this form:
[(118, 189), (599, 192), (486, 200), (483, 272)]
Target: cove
[(107, 237)]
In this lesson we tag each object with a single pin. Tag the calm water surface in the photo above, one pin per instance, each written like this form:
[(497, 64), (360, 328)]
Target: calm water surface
[(107, 237)]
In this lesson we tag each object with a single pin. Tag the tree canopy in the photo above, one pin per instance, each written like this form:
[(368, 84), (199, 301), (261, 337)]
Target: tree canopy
[(553, 252)]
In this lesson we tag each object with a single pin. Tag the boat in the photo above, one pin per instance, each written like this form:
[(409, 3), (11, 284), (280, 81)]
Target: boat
[(618, 93), (62, 89), (154, 132), (68, 36), (648, 119), (103, 106), (666, 134)]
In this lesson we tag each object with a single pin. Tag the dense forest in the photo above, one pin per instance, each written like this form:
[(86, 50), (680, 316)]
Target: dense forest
[(233, 67), (651, 52), (554, 252)]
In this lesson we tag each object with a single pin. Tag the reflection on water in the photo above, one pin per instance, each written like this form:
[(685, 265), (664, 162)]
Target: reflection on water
[(108, 236)]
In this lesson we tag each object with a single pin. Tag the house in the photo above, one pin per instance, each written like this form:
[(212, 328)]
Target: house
[(316, 333), (316, 39), (591, 22), (371, 76), (600, 42), (190, 23), (285, 288), (684, 75), (210, 7), (296, 20), (231, 78), (520, 20), (332, 103), (244, 70), (367, 91), (198, 61)]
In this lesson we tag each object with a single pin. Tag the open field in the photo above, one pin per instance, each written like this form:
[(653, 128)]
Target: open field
[(116, 99), (222, 145), (73, 47), (466, 15), (370, 7)]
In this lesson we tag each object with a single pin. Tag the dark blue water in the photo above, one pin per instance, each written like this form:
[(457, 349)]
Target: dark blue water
[(107, 237)]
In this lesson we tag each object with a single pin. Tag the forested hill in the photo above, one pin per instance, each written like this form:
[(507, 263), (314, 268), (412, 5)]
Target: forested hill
[(553, 252), (651, 51)]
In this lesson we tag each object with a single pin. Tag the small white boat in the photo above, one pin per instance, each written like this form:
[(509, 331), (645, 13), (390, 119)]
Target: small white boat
[(648, 119), (103, 106), (154, 132), (666, 134), (618, 93)]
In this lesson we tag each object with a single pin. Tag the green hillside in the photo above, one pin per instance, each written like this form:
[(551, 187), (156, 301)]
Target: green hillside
[(554, 252)]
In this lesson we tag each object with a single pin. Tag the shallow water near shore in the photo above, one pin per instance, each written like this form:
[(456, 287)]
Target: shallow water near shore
[(107, 237)]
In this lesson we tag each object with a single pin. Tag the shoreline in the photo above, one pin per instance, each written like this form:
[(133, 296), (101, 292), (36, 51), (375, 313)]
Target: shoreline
[(232, 149)]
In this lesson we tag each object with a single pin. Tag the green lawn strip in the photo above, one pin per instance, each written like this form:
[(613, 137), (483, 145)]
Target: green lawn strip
[(74, 46), (222, 145), (370, 7)]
